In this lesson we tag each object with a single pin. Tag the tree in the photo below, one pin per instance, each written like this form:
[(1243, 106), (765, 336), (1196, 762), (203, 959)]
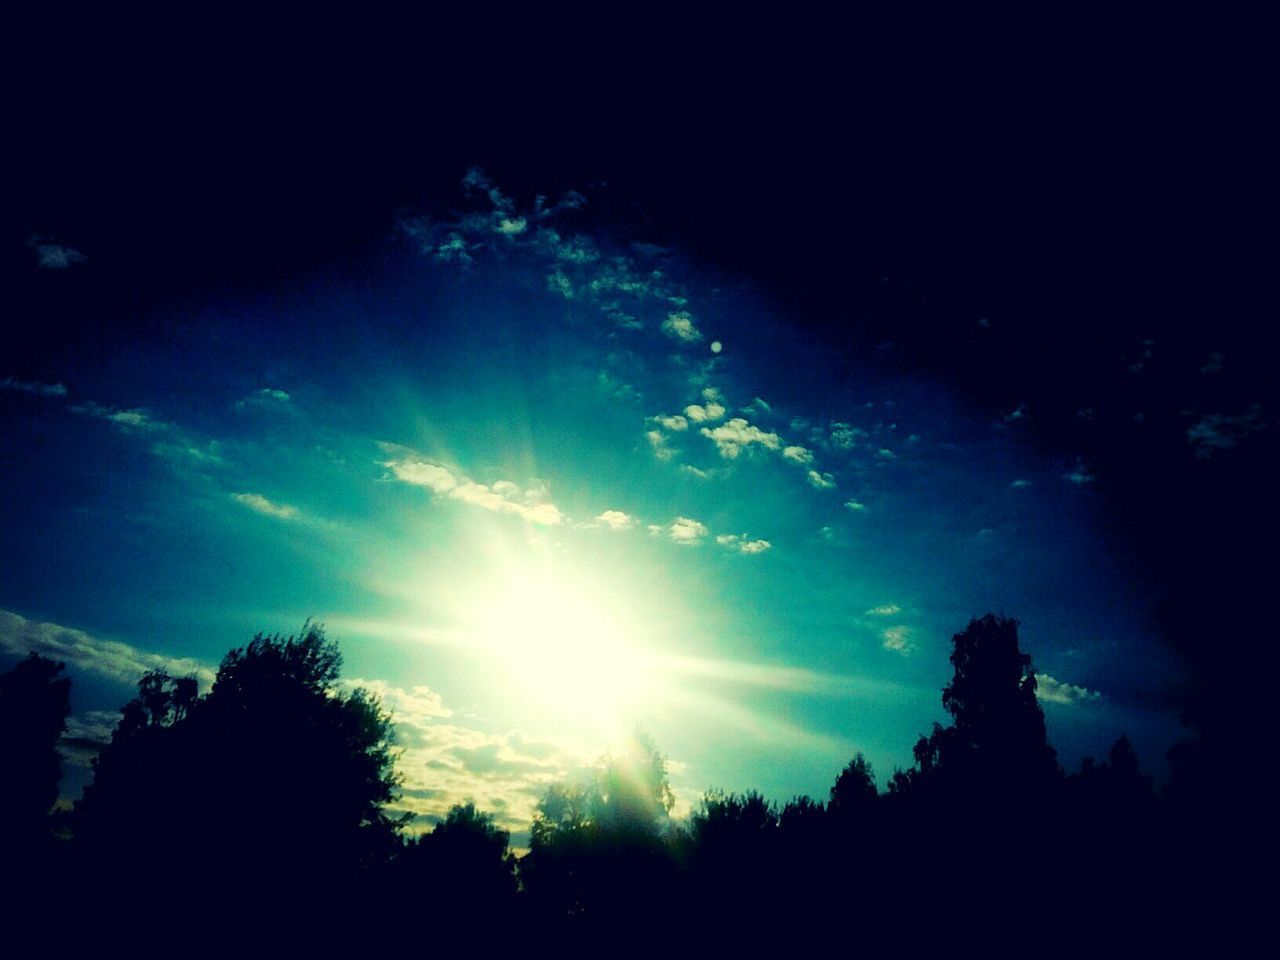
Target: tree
[(276, 773), (997, 742), (854, 791), (463, 867), (34, 705)]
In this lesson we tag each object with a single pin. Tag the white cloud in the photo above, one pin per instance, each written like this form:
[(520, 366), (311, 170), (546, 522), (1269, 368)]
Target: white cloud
[(675, 422), (1215, 432), (416, 706), (33, 387), (700, 414), (683, 530), (658, 441), (897, 639), (742, 543), (260, 504), (700, 474), (731, 437), (1051, 690), (1079, 475), (512, 226), (616, 520), (855, 505), (1020, 484), (884, 610), (680, 326), (821, 481), (797, 455), (884, 453), (112, 659), (502, 496)]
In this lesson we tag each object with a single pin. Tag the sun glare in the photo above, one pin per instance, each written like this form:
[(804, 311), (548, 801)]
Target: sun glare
[(566, 643)]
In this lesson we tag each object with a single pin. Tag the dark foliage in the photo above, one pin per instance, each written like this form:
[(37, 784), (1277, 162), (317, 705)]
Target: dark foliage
[(34, 704)]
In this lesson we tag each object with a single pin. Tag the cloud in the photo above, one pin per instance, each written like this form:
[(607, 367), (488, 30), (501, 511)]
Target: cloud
[(1051, 690), (685, 531), (1079, 474), (616, 520), (845, 437), (742, 543), (658, 441), (884, 610), (1214, 364), (898, 639), (730, 438), (675, 422), (855, 505), (700, 474), (131, 420), (502, 496), (265, 398), (1020, 484), (54, 256), (85, 735), (700, 414), (33, 387), (416, 706), (884, 453), (260, 504), (821, 481), (106, 658), (1215, 432), (680, 326), (797, 455)]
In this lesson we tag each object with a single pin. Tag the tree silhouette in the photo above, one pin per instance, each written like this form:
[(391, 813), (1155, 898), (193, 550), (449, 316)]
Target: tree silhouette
[(276, 773), (34, 705), (996, 745)]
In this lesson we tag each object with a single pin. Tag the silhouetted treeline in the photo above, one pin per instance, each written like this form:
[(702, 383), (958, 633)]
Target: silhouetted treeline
[(266, 804)]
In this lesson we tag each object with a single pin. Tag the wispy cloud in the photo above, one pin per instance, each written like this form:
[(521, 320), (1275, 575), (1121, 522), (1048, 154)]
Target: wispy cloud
[(898, 639), (743, 543), (111, 659), (134, 419), (33, 387), (1052, 690), (1216, 432), (260, 504), (502, 496), (885, 610), (265, 398), (54, 256)]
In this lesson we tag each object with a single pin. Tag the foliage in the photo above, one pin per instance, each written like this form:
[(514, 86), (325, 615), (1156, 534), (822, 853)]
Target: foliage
[(34, 704)]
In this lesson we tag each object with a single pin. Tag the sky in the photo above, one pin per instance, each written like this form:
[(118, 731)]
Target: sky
[(721, 443)]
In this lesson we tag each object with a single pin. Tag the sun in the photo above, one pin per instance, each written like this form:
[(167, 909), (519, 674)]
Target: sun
[(567, 641)]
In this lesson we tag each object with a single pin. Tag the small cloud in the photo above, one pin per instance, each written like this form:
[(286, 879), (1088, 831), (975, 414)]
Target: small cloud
[(700, 474), (797, 454), (730, 438), (675, 422), (680, 326), (843, 436), (54, 256), (984, 322), (1017, 413), (260, 504), (33, 387), (265, 398), (512, 226), (758, 407), (1051, 690), (1215, 432), (742, 543), (658, 441), (616, 520), (884, 453), (716, 346), (821, 481), (134, 419), (855, 506), (1020, 484), (700, 414), (1079, 475), (686, 531), (885, 610), (898, 639)]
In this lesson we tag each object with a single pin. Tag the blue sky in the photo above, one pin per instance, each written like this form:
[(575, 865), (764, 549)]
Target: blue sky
[(544, 484)]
